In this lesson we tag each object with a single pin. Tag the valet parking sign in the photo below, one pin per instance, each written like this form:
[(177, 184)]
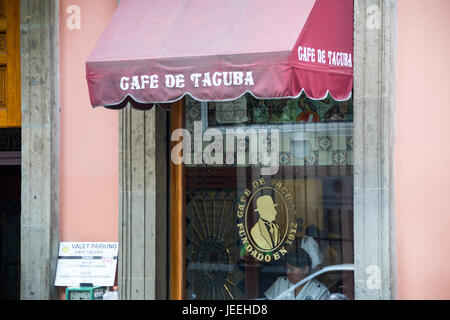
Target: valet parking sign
[(86, 262)]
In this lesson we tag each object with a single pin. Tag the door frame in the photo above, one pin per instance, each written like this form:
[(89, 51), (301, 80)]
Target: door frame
[(39, 46), (177, 210)]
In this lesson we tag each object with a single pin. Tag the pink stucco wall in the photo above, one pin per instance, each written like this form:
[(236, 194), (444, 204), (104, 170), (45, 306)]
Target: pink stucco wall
[(422, 150), (89, 137)]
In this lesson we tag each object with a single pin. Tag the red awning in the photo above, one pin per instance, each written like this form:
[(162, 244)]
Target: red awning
[(158, 51)]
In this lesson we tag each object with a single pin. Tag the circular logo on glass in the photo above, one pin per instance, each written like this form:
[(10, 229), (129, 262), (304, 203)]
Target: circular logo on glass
[(266, 219)]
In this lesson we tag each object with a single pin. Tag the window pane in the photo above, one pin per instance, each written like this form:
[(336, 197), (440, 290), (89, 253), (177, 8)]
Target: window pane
[(269, 197)]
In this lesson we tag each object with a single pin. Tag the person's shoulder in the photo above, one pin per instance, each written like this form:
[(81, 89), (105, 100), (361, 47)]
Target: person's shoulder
[(279, 285), (282, 283), (282, 280), (255, 228)]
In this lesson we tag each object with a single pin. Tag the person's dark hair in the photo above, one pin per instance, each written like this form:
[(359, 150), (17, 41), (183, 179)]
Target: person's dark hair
[(298, 258)]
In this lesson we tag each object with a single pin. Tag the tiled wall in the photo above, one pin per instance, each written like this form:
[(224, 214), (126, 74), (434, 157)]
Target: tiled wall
[(329, 147)]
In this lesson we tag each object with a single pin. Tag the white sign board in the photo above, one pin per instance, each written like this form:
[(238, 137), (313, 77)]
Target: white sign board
[(86, 262)]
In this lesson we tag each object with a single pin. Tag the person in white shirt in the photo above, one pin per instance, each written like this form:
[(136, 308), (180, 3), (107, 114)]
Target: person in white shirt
[(298, 266)]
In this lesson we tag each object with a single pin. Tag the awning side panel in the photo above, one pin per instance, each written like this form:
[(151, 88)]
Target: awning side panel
[(322, 58)]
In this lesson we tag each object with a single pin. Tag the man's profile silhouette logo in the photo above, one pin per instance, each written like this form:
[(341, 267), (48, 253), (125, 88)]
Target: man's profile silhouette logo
[(266, 220), (266, 233)]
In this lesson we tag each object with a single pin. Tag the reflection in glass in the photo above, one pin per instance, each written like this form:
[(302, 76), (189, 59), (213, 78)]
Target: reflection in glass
[(242, 227)]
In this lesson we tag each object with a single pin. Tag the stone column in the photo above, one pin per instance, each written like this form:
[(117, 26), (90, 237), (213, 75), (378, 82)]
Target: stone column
[(374, 109), (40, 148), (143, 181)]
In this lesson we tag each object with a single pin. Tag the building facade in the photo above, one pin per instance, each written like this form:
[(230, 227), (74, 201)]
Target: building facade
[(106, 175)]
